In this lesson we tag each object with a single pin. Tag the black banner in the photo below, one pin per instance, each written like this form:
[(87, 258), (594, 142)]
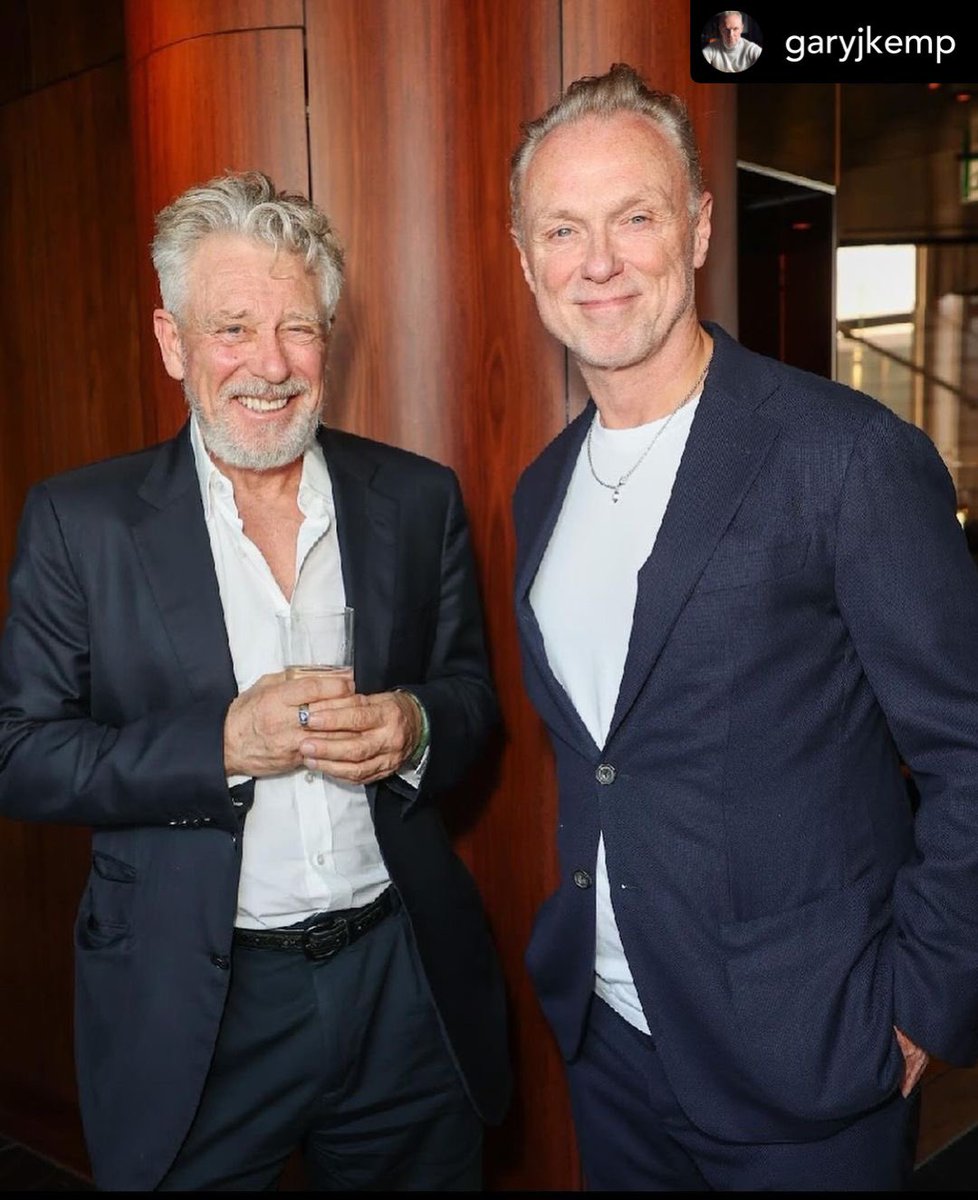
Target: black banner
[(779, 41)]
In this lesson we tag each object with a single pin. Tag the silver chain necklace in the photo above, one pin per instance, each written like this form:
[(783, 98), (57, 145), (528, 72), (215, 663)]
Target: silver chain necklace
[(615, 488)]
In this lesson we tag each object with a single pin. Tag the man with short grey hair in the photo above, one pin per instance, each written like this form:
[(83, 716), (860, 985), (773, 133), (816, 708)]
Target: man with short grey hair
[(744, 603), (734, 52), (277, 948)]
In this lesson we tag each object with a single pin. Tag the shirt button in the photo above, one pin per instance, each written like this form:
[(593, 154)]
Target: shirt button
[(605, 773), (311, 776), (582, 878), (320, 859)]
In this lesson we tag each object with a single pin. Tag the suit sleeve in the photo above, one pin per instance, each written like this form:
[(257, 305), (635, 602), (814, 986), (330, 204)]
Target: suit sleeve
[(57, 762), (457, 689), (908, 591)]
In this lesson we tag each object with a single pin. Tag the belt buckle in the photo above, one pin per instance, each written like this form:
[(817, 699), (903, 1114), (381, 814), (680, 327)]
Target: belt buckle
[(325, 938)]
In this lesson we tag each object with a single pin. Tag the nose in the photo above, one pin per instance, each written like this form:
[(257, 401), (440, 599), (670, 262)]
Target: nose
[(602, 260), (270, 361)]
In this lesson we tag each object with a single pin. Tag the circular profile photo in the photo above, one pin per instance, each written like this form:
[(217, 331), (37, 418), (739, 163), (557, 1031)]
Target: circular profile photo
[(732, 41)]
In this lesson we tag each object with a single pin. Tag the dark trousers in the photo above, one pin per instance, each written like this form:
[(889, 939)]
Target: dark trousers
[(343, 1059), (634, 1136)]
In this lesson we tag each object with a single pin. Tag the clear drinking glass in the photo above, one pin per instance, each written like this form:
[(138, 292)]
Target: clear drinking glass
[(317, 641)]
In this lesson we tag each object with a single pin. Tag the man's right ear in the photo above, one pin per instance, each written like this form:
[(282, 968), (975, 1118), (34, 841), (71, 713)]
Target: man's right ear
[(171, 347)]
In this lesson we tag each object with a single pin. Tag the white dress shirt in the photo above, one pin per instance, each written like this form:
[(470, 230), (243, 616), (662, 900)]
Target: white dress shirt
[(583, 597), (309, 843)]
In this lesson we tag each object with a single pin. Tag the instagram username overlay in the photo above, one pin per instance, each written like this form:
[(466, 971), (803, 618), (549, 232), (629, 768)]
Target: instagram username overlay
[(874, 43)]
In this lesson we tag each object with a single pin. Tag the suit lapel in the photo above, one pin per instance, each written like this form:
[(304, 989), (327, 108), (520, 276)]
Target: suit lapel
[(727, 444), (366, 525), (549, 488), (172, 542)]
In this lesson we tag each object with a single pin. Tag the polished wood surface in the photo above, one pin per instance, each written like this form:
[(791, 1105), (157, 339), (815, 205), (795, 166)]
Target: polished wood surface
[(44, 41), (153, 24), (67, 308), (69, 348)]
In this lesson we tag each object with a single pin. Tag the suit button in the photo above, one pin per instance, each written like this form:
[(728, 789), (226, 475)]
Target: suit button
[(582, 878), (221, 960), (605, 773)]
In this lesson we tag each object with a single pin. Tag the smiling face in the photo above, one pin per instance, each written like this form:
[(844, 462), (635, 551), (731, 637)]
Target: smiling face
[(250, 349), (731, 29), (609, 247)]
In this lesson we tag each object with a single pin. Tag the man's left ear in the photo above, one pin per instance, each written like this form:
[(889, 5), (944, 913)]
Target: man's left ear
[(168, 337), (701, 233)]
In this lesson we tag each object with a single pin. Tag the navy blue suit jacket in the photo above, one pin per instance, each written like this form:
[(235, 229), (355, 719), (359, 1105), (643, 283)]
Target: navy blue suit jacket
[(115, 677), (807, 616)]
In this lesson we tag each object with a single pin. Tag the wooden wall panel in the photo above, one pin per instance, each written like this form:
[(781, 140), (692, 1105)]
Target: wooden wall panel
[(67, 308), (411, 162), (44, 41), (153, 24), (15, 64), (69, 349), (197, 112), (65, 39)]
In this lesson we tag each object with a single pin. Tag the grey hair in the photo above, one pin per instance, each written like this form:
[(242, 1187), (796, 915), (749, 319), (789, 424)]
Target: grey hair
[(622, 89), (248, 204)]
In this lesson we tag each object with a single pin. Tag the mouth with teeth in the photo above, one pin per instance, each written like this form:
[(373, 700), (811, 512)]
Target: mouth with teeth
[(263, 398), (258, 405)]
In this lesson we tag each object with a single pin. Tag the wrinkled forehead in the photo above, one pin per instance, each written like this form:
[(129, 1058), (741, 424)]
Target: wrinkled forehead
[(237, 272), (239, 252)]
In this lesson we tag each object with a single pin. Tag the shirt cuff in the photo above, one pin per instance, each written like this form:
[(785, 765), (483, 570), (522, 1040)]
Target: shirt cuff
[(412, 772)]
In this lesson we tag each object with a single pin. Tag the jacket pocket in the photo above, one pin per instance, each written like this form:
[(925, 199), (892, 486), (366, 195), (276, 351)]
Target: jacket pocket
[(105, 914), (735, 566), (812, 992)]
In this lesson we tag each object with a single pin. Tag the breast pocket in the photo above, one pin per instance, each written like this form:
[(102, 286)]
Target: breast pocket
[(742, 565)]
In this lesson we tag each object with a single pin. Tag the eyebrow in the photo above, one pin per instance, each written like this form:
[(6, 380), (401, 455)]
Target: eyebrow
[(308, 318), (636, 200)]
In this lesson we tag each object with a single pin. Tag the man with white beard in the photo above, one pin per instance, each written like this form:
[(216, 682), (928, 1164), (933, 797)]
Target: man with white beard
[(277, 948)]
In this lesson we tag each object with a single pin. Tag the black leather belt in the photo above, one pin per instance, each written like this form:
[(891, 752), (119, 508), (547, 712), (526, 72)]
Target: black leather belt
[(326, 934)]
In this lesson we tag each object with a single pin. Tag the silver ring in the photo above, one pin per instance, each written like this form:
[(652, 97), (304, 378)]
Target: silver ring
[(303, 715)]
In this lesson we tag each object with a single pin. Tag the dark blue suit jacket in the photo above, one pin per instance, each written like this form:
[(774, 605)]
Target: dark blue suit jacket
[(115, 676), (808, 616)]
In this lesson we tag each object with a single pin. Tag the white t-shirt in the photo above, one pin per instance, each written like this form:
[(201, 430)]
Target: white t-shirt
[(583, 597)]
